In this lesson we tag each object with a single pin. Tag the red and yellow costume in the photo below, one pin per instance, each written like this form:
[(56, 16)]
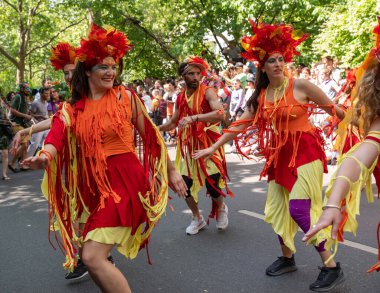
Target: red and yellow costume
[(97, 178), (293, 149), (196, 136), (290, 143), (102, 173)]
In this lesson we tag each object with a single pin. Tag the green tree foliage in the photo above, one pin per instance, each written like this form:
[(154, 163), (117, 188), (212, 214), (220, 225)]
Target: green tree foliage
[(347, 33), (164, 32)]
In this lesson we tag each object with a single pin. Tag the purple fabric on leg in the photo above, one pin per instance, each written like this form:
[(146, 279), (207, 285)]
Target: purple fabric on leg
[(300, 212)]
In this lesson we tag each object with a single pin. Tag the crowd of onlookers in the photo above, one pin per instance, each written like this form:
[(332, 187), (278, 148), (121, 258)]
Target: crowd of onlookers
[(234, 86)]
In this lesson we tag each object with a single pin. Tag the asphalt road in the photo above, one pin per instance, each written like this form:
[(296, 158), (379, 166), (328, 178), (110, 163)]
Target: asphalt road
[(216, 262)]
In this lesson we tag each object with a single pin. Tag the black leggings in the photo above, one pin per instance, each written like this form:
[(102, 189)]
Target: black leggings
[(214, 192)]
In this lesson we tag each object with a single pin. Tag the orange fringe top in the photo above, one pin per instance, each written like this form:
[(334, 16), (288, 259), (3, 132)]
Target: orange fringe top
[(285, 137)]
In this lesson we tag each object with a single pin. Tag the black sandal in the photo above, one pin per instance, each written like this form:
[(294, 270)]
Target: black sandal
[(14, 170), (6, 178)]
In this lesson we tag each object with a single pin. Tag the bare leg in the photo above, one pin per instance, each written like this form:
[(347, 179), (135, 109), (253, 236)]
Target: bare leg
[(106, 275), (324, 256), (5, 162), (286, 251), (219, 202), (193, 206)]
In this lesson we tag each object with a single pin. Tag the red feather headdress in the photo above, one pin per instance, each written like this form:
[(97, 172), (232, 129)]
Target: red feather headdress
[(102, 43), (271, 38), (198, 61), (62, 54)]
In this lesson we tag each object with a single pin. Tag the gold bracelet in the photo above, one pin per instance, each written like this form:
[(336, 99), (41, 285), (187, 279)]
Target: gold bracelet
[(332, 206)]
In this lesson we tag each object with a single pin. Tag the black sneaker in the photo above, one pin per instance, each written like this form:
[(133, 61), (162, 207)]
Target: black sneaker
[(328, 279), (281, 266), (79, 271)]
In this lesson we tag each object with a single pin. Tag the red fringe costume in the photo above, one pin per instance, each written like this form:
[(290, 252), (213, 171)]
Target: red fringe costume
[(97, 169), (195, 136)]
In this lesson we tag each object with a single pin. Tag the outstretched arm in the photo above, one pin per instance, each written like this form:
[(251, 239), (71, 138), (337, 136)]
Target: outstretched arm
[(366, 153), (226, 137), (40, 126), (306, 90), (172, 123)]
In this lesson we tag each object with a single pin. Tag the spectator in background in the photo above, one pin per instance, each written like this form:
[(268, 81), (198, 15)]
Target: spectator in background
[(46, 83), (242, 76), (147, 99), (336, 71), (158, 86), (9, 97), (237, 99), (19, 110), (159, 107), (233, 52), (328, 85), (170, 97), (5, 136), (39, 111), (305, 73), (54, 102)]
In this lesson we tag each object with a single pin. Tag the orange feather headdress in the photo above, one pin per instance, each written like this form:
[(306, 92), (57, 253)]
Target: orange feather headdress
[(62, 54), (199, 62), (102, 43), (271, 38)]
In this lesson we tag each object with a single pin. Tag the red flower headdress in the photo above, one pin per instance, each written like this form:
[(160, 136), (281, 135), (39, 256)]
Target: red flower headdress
[(102, 43), (62, 54), (198, 61), (271, 38)]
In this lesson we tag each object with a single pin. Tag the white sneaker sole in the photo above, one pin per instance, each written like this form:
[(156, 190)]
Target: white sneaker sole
[(200, 227)]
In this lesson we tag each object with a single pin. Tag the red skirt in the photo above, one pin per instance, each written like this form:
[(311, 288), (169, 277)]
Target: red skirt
[(127, 178)]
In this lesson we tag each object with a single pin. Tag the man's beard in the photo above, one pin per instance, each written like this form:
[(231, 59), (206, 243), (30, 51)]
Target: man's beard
[(192, 85)]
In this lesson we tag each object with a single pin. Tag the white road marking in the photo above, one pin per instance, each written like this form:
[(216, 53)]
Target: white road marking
[(349, 243)]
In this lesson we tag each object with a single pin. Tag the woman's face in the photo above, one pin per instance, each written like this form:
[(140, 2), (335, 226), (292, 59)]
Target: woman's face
[(68, 71), (102, 76), (54, 94), (274, 66)]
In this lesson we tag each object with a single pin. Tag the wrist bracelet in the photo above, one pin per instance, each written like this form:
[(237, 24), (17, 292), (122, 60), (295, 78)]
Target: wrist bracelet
[(46, 153), (197, 118), (332, 206)]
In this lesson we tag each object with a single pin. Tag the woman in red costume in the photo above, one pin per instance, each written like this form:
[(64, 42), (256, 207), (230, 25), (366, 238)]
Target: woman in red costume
[(292, 146), (355, 169), (92, 170)]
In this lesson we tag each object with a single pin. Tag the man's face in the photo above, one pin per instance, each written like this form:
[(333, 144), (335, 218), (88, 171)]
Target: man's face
[(26, 89), (157, 84), (45, 95), (193, 77)]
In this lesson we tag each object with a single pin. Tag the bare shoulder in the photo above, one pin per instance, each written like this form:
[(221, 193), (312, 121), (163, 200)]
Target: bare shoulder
[(302, 84), (211, 93)]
